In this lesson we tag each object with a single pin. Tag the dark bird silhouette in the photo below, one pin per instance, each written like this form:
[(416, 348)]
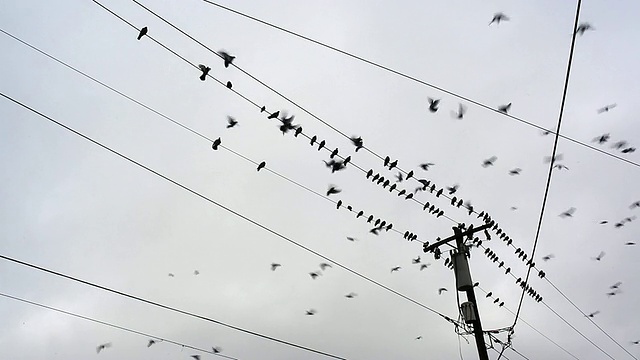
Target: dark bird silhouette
[(602, 138), (313, 140), (630, 243), (274, 266), (261, 165), (504, 108), (489, 294), (352, 239), (386, 161), (228, 59), (338, 204), (515, 171), (452, 189), (151, 342), (489, 162), (216, 143), (636, 342), (606, 108), (560, 167), (102, 347), (334, 153), (619, 145), (498, 17), (333, 190), (393, 164), (205, 71), (143, 32), (229, 85), (628, 150), (375, 230), (584, 27), (311, 312), (613, 293), (433, 104), (603, 222), (197, 357), (274, 115), (324, 266), (616, 285), (439, 193), (231, 122), (426, 166), (299, 131), (397, 268), (548, 257), (460, 113), (263, 109), (599, 257), (314, 274), (424, 266), (351, 295), (545, 132), (416, 260), (441, 290), (216, 349), (419, 338), (399, 177), (321, 145), (568, 213), (334, 165), (357, 142)]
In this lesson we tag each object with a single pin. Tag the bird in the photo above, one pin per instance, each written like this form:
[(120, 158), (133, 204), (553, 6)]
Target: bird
[(424, 266), (397, 268), (619, 145), (324, 266), (489, 162), (613, 293), (593, 314), (352, 239), (357, 142), (498, 17), (287, 123), (216, 143), (333, 153), (196, 272), (452, 189), (261, 165), (602, 138), (630, 243), (433, 104), (231, 122), (314, 274), (599, 257), (460, 113), (102, 347), (504, 108), (375, 231), (568, 213), (205, 71), (584, 27), (216, 349), (628, 150), (636, 342), (426, 166), (274, 115), (321, 144), (416, 260), (171, 275), (351, 295), (441, 290), (616, 285), (606, 108), (553, 159), (515, 171), (228, 59), (143, 32), (229, 85), (399, 177), (311, 312), (560, 167), (548, 257), (603, 222), (197, 357), (333, 190), (274, 266), (151, 342), (419, 338)]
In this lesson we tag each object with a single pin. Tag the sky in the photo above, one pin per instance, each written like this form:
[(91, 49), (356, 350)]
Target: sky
[(71, 206)]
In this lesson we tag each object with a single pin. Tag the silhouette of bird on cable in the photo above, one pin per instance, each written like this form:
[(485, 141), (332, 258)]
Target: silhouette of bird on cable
[(143, 32), (205, 71), (228, 59)]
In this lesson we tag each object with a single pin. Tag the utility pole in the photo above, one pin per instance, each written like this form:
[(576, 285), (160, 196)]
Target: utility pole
[(463, 280)]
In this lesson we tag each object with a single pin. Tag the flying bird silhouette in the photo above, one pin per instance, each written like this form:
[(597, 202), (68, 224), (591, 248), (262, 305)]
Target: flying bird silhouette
[(311, 312), (424, 266), (452, 189), (102, 347), (433, 104), (197, 357), (228, 59), (419, 338), (333, 190), (489, 162), (216, 349), (504, 108), (351, 238), (584, 27), (143, 32), (274, 266), (314, 274), (416, 260), (460, 113), (619, 145), (568, 213), (426, 166), (151, 342), (606, 108), (599, 257), (357, 142), (616, 285), (602, 138), (628, 150), (515, 171), (634, 205), (205, 71), (231, 122), (498, 17), (560, 167), (441, 290), (324, 266), (553, 159), (196, 272), (397, 268), (351, 295), (548, 257)]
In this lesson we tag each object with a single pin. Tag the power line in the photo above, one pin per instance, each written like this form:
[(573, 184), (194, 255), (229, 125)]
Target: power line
[(204, 197), (553, 154), (115, 326), (414, 79)]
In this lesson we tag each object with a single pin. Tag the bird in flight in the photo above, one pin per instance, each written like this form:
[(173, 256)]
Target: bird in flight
[(426, 166), (602, 138), (504, 108), (397, 268), (357, 142), (489, 162), (548, 257), (196, 272), (628, 150), (498, 17), (424, 266), (606, 108), (216, 349), (314, 274), (231, 122), (613, 293), (599, 257), (553, 159), (452, 189), (433, 104), (351, 295), (416, 260), (228, 59), (311, 312), (171, 275), (515, 171), (333, 190), (441, 290), (151, 342), (143, 32), (629, 243), (636, 342), (619, 145), (102, 347), (197, 357), (419, 337), (274, 266), (568, 213), (324, 266), (584, 27), (616, 285), (205, 71), (460, 113), (593, 314), (560, 167)]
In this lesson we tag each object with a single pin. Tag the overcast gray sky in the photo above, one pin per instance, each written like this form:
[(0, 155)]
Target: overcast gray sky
[(73, 207)]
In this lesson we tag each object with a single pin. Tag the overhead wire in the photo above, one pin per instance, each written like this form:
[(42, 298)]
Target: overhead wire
[(226, 208), (419, 81), (123, 328)]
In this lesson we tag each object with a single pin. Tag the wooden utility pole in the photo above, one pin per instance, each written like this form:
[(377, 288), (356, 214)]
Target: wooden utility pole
[(463, 279)]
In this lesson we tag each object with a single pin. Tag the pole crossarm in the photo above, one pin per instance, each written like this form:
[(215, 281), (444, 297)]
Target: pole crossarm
[(470, 231)]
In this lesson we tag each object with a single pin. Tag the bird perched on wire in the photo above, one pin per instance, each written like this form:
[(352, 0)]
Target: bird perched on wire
[(143, 32), (498, 17), (504, 108), (584, 27), (262, 165), (102, 347), (228, 59), (205, 71), (231, 122), (357, 142), (433, 104), (229, 85)]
